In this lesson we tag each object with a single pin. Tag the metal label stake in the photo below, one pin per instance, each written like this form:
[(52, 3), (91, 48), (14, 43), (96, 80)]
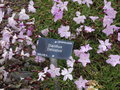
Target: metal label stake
[(54, 62)]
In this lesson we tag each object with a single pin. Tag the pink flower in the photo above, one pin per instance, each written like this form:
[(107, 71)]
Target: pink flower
[(93, 18), (67, 74), (42, 74), (58, 8), (12, 22), (5, 54), (34, 52), (9, 10), (77, 52), (113, 60), (21, 35), (104, 46), (79, 19), (84, 59), (5, 74), (85, 48), (29, 32), (14, 38), (23, 54), (107, 21), (31, 7), (54, 71), (107, 5), (10, 54), (111, 13), (57, 13), (89, 29), (81, 83), (6, 35), (45, 32), (64, 31), (39, 59), (109, 10), (79, 29), (63, 6), (1, 15), (70, 62), (58, 1), (23, 15), (110, 29)]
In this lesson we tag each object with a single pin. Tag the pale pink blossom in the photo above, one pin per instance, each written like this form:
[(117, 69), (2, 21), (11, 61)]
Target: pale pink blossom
[(79, 19), (93, 18), (63, 31), (10, 54), (107, 21), (42, 74), (23, 15), (5, 54), (23, 54), (6, 35), (84, 59), (33, 52), (111, 13), (57, 12), (14, 38), (89, 29), (5, 74), (113, 60), (67, 74), (63, 6), (54, 71), (81, 83), (70, 62), (9, 10), (104, 46), (39, 59), (79, 29), (12, 22), (110, 29), (45, 32), (85, 48), (77, 52), (31, 7), (1, 15)]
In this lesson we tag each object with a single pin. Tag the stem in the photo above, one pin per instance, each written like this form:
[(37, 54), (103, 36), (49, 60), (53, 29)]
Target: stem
[(54, 62)]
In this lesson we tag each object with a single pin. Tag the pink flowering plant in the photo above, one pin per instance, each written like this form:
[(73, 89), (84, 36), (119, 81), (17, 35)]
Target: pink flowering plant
[(93, 26)]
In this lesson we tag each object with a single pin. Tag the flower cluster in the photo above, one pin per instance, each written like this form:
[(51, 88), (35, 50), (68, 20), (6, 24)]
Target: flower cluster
[(83, 55), (53, 71), (18, 33), (108, 19), (58, 9)]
